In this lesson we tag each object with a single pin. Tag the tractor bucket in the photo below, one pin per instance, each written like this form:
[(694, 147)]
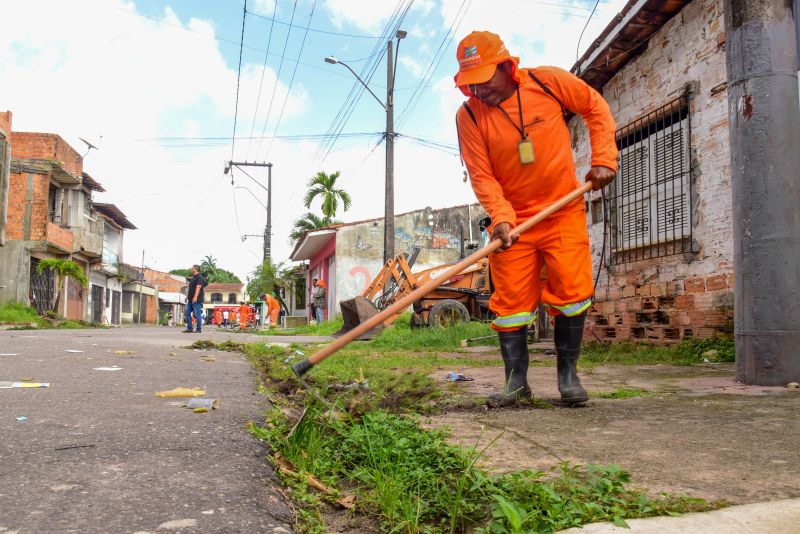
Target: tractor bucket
[(355, 311)]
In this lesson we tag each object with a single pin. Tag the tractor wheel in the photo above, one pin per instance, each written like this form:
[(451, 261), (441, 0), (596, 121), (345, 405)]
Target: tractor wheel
[(416, 320), (447, 313)]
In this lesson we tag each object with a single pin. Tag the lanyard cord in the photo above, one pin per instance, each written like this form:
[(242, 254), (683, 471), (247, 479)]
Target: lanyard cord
[(521, 127)]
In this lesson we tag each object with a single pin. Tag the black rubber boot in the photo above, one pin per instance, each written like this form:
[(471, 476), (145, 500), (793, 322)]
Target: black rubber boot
[(514, 348), (568, 335)]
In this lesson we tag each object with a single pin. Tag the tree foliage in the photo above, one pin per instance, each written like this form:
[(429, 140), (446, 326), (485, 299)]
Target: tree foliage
[(323, 185), (62, 269), (263, 280), (211, 272), (307, 222)]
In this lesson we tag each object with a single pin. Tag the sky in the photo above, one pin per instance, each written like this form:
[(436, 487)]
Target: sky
[(157, 86)]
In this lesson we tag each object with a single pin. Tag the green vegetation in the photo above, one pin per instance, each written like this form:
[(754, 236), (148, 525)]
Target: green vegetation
[(18, 313), (622, 393), (687, 352), (62, 270), (211, 271), (323, 185), (307, 222), (412, 480)]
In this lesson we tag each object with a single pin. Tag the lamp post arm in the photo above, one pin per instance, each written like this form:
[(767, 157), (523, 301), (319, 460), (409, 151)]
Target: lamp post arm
[(362, 83)]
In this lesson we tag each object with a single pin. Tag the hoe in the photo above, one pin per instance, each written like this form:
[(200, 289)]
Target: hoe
[(302, 367)]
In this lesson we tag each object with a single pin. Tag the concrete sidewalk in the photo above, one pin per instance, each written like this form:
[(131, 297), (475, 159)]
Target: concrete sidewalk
[(99, 452), (777, 517)]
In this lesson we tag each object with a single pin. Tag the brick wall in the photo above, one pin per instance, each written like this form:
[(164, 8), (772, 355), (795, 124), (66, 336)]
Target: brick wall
[(61, 237), (150, 309), (31, 145), (5, 121), (667, 299), (17, 195)]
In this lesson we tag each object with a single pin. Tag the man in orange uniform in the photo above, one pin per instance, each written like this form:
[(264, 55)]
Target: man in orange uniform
[(244, 316), (516, 146), (274, 308)]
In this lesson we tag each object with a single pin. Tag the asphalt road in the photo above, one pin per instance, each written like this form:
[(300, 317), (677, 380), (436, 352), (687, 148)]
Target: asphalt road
[(99, 452)]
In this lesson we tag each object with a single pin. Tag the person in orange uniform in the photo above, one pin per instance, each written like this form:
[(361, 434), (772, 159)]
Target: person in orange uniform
[(515, 144), (244, 316), (273, 309), (217, 318)]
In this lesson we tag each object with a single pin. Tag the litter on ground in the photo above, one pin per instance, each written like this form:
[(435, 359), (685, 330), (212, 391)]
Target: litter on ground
[(73, 351), (21, 418), (123, 352), (457, 377), (8, 354), (10, 385), (208, 404), (112, 368), (182, 392)]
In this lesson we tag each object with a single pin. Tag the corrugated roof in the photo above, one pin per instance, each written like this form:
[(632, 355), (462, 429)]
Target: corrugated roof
[(625, 37), (115, 214), (92, 184)]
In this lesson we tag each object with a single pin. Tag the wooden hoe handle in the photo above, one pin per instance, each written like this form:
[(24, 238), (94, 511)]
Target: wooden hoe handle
[(302, 367)]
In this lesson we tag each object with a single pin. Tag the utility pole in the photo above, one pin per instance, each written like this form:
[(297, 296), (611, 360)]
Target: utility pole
[(764, 118), (268, 225), (388, 217), (141, 281)]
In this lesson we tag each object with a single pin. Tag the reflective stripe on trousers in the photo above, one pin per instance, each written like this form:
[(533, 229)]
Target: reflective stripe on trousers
[(515, 320), (571, 310)]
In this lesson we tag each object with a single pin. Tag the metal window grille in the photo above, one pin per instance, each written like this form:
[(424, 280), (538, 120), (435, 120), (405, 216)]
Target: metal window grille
[(127, 302), (216, 297), (42, 289), (231, 298), (649, 205)]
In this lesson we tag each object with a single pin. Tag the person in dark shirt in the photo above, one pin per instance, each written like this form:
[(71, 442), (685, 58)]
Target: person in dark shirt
[(194, 300)]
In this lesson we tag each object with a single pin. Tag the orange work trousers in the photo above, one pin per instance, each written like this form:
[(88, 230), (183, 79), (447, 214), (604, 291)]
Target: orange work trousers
[(561, 243), (273, 316)]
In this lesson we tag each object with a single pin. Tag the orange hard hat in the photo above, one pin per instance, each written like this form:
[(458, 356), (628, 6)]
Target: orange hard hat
[(478, 55)]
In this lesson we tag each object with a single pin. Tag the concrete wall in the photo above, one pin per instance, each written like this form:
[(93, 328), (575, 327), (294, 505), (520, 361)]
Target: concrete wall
[(15, 266), (359, 247), (669, 298)]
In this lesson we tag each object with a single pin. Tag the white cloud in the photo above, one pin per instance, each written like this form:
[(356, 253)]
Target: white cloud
[(416, 68)]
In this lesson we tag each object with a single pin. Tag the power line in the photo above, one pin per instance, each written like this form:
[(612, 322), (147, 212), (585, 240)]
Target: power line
[(315, 30), (238, 79), (277, 76), (578, 47), (435, 61), (263, 71), (235, 208), (291, 81)]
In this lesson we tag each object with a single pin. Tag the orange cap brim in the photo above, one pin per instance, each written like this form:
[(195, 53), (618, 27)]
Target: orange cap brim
[(477, 75)]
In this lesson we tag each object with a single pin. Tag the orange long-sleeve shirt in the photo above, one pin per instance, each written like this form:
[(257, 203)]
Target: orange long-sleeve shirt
[(510, 191)]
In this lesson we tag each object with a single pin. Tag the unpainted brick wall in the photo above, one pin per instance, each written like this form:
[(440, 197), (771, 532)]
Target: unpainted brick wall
[(34, 145), (17, 195), (5, 121), (666, 299)]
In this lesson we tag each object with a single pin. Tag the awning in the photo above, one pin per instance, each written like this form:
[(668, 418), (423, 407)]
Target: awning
[(172, 298), (311, 243)]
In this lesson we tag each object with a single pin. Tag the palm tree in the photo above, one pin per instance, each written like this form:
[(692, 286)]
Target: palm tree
[(324, 185), (62, 270), (209, 262), (309, 221)]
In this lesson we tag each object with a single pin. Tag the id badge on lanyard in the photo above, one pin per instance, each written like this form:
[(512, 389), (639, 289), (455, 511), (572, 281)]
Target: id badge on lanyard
[(525, 149)]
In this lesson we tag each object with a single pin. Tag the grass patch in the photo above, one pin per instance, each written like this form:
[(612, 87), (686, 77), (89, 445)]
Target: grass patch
[(687, 352), (412, 480), (228, 345), (326, 328), (18, 313), (622, 393)]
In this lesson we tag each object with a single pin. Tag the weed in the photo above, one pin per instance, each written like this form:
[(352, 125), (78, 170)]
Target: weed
[(414, 481), (716, 349), (228, 345), (18, 313), (622, 393)]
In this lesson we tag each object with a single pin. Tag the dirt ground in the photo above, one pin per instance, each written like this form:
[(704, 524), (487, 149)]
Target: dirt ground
[(697, 432)]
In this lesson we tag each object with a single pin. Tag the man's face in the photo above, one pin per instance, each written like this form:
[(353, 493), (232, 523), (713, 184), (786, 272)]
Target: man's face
[(314, 282), (498, 89), (194, 271)]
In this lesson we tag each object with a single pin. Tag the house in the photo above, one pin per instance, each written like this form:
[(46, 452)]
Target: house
[(348, 256), (171, 301), (48, 212), (666, 263), (220, 294), (139, 298)]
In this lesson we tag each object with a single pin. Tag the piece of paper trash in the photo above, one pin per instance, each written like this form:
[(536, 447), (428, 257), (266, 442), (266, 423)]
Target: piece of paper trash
[(457, 377), (73, 351), (299, 352), (9, 354), (172, 354), (208, 358), (123, 352), (112, 368), (9, 385), (182, 392), (21, 418), (209, 404), (200, 410), (26, 379)]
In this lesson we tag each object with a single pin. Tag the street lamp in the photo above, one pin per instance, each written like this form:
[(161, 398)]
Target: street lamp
[(391, 62)]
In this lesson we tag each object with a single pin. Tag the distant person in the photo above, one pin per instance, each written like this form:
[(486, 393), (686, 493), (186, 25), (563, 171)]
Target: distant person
[(194, 301), (274, 309), (320, 300), (225, 317), (311, 293), (244, 316), (218, 318)]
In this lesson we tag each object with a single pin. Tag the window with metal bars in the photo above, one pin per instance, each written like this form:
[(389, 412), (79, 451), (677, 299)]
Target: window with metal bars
[(649, 204)]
